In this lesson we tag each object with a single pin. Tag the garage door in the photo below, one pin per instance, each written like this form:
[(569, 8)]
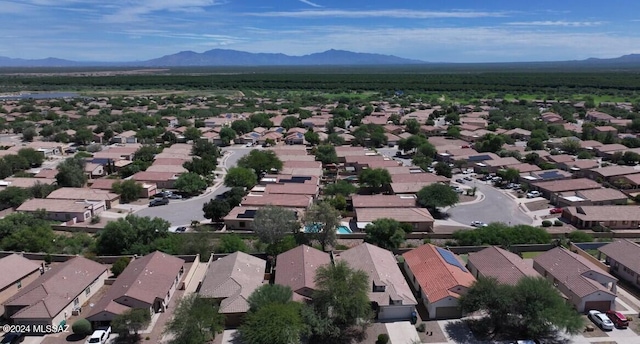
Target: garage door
[(448, 312), (601, 306), (394, 313)]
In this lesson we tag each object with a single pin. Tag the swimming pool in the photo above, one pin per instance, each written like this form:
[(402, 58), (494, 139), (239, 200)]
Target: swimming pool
[(317, 227)]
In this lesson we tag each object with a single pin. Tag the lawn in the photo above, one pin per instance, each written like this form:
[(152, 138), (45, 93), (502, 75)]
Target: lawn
[(530, 255)]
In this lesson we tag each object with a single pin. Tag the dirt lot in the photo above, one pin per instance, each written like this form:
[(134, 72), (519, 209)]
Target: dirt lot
[(538, 205)]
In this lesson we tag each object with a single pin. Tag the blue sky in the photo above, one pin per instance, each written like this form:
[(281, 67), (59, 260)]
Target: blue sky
[(435, 31)]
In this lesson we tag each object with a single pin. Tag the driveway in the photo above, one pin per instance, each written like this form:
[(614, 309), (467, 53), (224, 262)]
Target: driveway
[(182, 212), (402, 332), (495, 207)]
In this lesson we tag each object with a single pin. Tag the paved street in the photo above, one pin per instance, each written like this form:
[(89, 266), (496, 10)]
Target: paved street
[(182, 212), (495, 207)]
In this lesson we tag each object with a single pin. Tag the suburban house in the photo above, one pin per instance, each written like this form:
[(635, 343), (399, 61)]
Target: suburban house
[(86, 194), (603, 196), (231, 280), (17, 273), (106, 184), (383, 201), (506, 267), (389, 292), (58, 293), (280, 200), (439, 277), (63, 210), (493, 166), (420, 219), (163, 180), (290, 189), (296, 269), (631, 181), (610, 216), (584, 284), (125, 137), (146, 283), (622, 258), (549, 188), (93, 170), (543, 176), (611, 173)]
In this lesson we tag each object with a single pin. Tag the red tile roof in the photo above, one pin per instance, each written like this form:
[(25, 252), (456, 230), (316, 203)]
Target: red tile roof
[(437, 277)]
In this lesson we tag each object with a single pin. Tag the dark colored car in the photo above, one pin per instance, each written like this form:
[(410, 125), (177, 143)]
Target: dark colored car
[(158, 201), (12, 338), (181, 229), (555, 211), (618, 319)]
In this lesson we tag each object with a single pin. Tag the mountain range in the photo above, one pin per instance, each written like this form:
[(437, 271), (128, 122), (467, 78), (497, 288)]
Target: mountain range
[(229, 58)]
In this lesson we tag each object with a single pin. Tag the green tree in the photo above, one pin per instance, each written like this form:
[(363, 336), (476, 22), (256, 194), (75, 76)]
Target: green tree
[(570, 146), (375, 178), (536, 308), (271, 224), (326, 154), (203, 167), (234, 196), (192, 134), (240, 177), (412, 126), (535, 144), (443, 169), (241, 126), (190, 183), (227, 135), (290, 122), (436, 196), (230, 243), (341, 295), (385, 233), (33, 157), (312, 137), (579, 236), (13, 197), (500, 234), (216, 209), (28, 134), (196, 320), (453, 131), (129, 323), (260, 120), (170, 137), (129, 190), (323, 219), (82, 327), (205, 149), (510, 174), (71, 173), (275, 323), (119, 266), (131, 235), (261, 161), (268, 294), (341, 187), (146, 153), (83, 136)]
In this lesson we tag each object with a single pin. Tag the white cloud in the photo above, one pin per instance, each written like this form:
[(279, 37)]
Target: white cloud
[(134, 10), (312, 4), (561, 23), (393, 13)]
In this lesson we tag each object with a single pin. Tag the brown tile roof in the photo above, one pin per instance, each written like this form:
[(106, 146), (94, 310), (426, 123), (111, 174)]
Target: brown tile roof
[(344, 151), (437, 276), (624, 252), (568, 185), (572, 271), (145, 279), (591, 144), (408, 188), (382, 268), (583, 164), (399, 214), (83, 194), (615, 170), (53, 291), (606, 212), (613, 147), (292, 189), (297, 267), (54, 205), (282, 200), (29, 182), (560, 158), (382, 201), (14, 267), (599, 195), (506, 161), (363, 159), (145, 176), (525, 168), (104, 183), (302, 164), (505, 266), (233, 278), (171, 161), (418, 178), (46, 173)]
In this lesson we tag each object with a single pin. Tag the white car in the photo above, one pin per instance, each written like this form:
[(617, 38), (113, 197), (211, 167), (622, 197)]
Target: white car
[(533, 194), (478, 224), (99, 336), (601, 320)]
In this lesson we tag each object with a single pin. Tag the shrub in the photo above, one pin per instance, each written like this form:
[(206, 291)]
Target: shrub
[(95, 219), (421, 328), (578, 236), (82, 327), (341, 247), (48, 259), (383, 338), (120, 265), (546, 223), (426, 241), (557, 223)]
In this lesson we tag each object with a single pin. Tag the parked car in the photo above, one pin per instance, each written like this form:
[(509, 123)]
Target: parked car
[(181, 229), (555, 211), (174, 196), (99, 336), (533, 194), (468, 179), (618, 319), (459, 181), (478, 224), (13, 338), (158, 201), (601, 320)]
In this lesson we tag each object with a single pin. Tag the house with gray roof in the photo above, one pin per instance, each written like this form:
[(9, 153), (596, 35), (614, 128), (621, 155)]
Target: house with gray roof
[(586, 286), (146, 283), (17, 273), (55, 295), (390, 294), (230, 280), (296, 269), (622, 258), (506, 267)]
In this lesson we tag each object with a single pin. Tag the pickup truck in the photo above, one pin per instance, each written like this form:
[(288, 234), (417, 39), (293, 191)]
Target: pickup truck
[(99, 336)]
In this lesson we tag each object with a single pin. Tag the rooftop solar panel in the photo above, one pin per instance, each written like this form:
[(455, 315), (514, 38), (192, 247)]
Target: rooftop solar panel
[(450, 258), (550, 175), (248, 214), (482, 157)]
